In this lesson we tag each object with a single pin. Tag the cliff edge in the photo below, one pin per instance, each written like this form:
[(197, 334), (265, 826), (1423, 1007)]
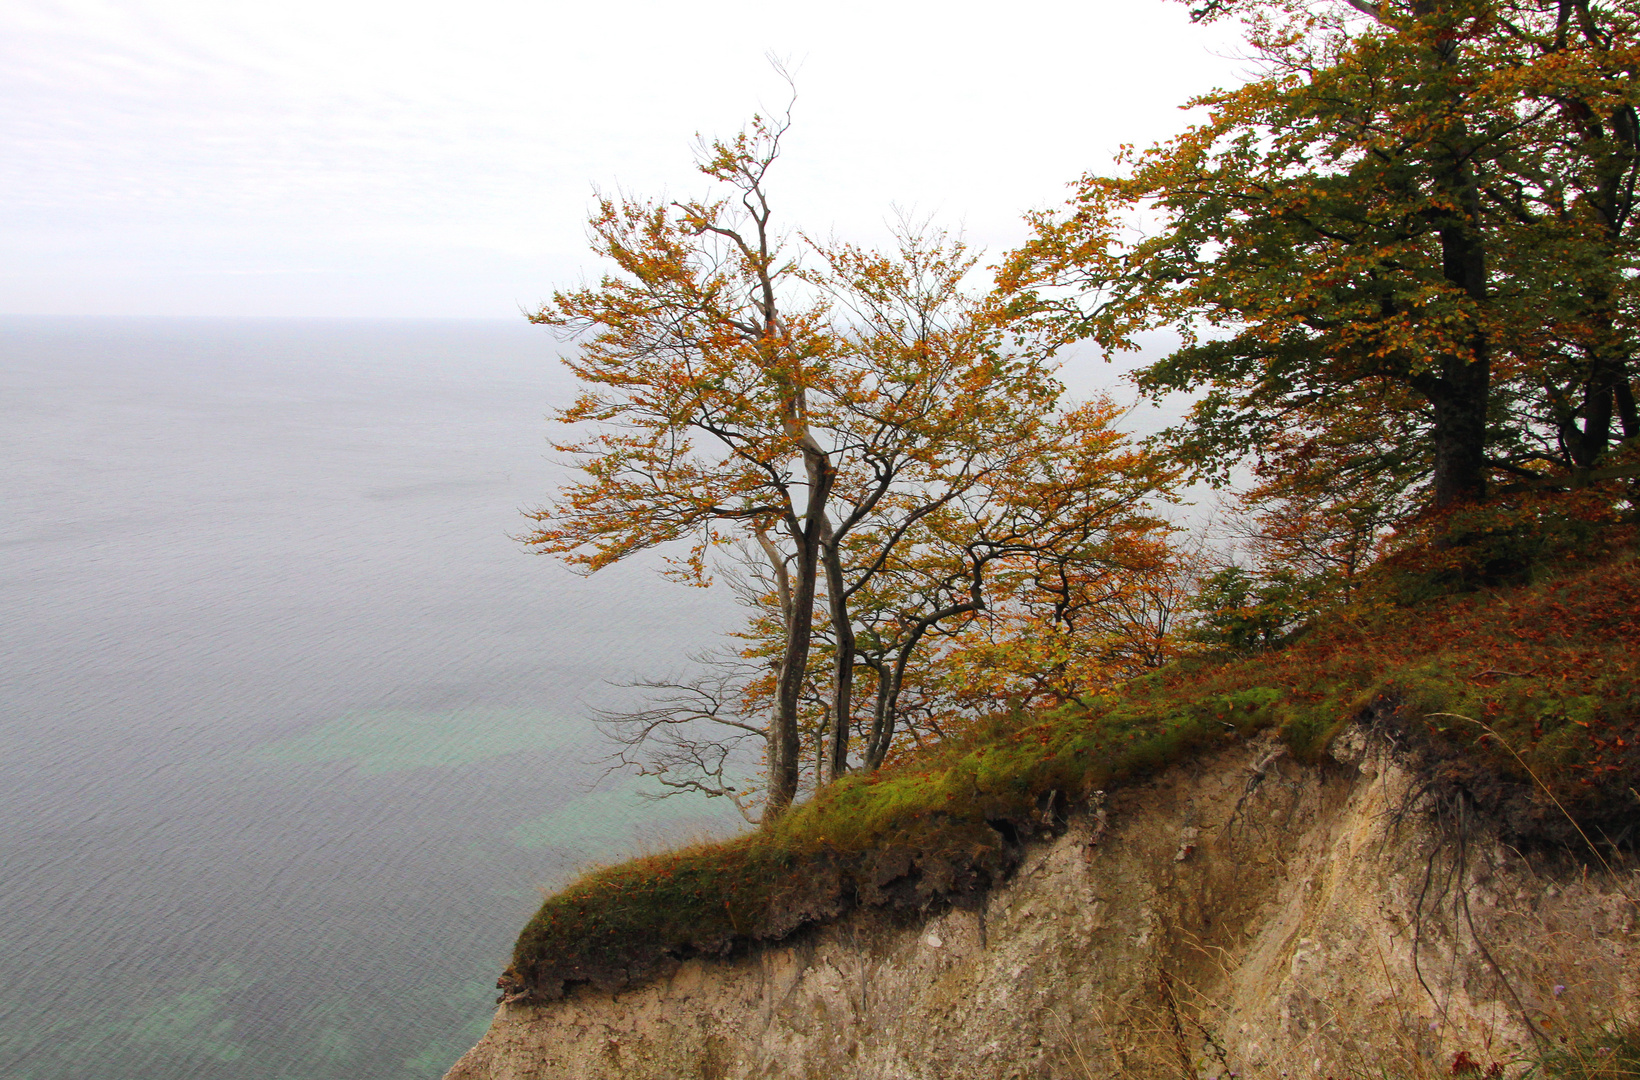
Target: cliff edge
[(1243, 913)]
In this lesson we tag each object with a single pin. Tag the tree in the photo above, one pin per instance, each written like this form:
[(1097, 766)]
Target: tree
[(1080, 625), (1575, 60), (735, 394), (1325, 499), (1419, 201), (850, 415), (699, 356), (1062, 502)]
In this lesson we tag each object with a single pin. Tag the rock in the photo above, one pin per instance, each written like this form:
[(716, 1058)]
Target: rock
[(1273, 932)]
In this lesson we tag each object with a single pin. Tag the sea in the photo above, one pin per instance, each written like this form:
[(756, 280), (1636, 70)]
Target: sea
[(294, 733)]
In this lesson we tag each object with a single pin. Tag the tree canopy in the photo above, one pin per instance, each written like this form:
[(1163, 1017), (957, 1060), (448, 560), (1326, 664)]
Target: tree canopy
[(852, 415), (1413, 227)]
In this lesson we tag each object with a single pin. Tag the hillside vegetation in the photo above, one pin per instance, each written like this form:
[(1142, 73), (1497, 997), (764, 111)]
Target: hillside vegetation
[(1520, 701)]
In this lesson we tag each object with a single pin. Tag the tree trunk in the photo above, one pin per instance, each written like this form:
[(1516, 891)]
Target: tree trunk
[(882, 720), (1599, 394), (1606, 374), (1459, 402), (842, 677), (1459, 395), (786, 744), (888, 701), (1624, 394)]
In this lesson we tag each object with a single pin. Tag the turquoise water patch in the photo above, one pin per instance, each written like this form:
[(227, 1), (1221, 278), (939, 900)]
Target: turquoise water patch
[(395, 740), (208, 1030), (180, 1031), (194, 1022)]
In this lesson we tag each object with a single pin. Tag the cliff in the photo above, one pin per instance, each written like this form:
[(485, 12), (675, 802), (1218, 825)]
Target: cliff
[(1242, 912)]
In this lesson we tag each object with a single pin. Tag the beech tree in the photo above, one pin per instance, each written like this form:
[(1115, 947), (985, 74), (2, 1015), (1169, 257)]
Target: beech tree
[(733, 393), (699, 355), (926, 414), (850, 415), (1427, 201), (1071, 624), (1062, 526)]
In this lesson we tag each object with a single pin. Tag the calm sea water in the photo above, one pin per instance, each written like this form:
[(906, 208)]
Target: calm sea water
[(291, 733)]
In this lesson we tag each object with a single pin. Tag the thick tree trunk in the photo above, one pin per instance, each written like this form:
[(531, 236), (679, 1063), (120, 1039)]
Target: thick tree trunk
[(1599, 395), (1608, 402), (1459, 402), (1624, 393), (1460, 394), (1601, 384)]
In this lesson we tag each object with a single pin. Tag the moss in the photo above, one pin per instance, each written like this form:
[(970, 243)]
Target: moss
[(1522, 693)]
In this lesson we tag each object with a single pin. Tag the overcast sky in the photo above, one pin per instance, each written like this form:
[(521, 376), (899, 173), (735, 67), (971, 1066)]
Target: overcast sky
[(349, 157)]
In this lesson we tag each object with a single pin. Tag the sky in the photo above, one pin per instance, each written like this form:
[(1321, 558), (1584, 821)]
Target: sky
[(356, 158)]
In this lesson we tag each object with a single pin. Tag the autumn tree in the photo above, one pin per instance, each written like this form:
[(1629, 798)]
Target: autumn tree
[(849, 415), (1424, 202), (927, 413), (1325, 500), (1080, 622), (953, 457), (1575, 61), (734, 394), (1045, 567), (699, 353)]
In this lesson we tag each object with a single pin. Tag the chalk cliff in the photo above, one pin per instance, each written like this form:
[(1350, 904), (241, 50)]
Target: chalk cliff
[(1242, 913)]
